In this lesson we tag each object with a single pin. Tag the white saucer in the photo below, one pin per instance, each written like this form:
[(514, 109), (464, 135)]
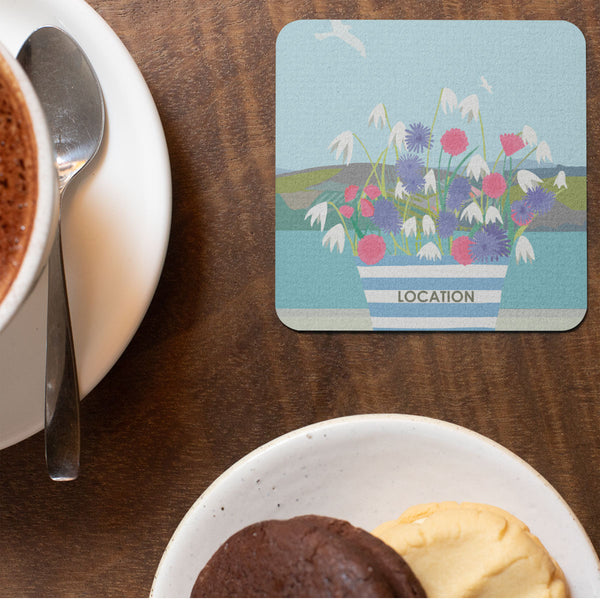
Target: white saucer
[(115, 227), (368, 469)]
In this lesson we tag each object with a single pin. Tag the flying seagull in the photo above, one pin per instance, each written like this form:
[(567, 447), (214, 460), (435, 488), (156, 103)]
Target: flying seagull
[(341, 31), (485, 85)]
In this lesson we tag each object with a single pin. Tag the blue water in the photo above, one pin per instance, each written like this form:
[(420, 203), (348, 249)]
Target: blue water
[(308, 275)]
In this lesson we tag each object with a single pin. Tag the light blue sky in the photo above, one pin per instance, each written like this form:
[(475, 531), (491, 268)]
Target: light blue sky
[(536, 70)]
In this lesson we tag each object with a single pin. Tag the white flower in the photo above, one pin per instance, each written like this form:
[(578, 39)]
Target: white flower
[(472, 213), (317, 213), (430, 251), (524, 250), (377, 116), (543, 153), (430, 185), (561, 180), (428, 225), (335, 237), (400, 190), (409, 227), (492, 214), (449, 100), (527, 180), (477, 167), (528, 136), (469, 108), (397, 135), (343, 143)]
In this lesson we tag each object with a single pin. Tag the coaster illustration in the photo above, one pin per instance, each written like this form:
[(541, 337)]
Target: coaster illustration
[(431, 175)]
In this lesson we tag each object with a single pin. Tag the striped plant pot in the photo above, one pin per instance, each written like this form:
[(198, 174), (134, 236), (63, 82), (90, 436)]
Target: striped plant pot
[(406, 293)]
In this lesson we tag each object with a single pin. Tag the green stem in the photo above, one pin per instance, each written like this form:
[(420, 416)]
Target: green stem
[(520, 232), (508, 218), (384, 187), (482, 136), (446, 185), (374, 170), (343, 221), (456, 171), (437, 181), (373, 165), (525, 157), (496, 163), (390, 128), (437, 108), (397, 245)]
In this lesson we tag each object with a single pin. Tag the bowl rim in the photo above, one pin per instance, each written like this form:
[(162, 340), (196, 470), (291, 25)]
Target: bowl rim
[(45, 221), (320, 426)]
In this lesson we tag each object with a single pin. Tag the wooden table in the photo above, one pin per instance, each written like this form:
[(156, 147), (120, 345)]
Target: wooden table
[(212, 373)]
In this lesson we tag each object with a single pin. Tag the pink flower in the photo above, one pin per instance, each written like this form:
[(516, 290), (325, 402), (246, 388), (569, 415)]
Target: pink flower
[(373, 192), (347, 211), (461, 250), (371, 249), (350, 193), (366, 208), (454, 141), (493, 185), (511, 143)]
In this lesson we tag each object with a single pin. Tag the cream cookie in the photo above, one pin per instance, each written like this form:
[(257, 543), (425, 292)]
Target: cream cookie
[(473, 550)]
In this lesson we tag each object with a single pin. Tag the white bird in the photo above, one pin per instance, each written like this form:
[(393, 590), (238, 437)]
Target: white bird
[(485, 85), (341, 31)]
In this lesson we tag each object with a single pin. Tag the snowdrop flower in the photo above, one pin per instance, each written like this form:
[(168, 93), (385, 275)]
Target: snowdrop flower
[(449, 100), (335, 237), (400, 190), (527, 180), (561, 180), (528, 136), (343, 143), (472, 213), (492, 214), (430, 185), (469, 108), (477, 167), (377, 116), (397, 135), (317, 213), (409, 227), (428, 225), (543, 153), (524, 250), (430, 252)]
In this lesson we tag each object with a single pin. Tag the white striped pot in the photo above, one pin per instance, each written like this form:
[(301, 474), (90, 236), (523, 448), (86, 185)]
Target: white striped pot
[(407, 293)]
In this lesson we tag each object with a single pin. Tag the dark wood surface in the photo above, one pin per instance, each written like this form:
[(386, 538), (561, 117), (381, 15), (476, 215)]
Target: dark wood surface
[(212, 373)]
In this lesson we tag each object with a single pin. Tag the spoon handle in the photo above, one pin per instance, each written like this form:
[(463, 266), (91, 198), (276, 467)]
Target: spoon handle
[(62, 388)]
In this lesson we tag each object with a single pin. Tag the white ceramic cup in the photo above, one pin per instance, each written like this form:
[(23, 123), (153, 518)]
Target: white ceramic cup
[(45, 219)]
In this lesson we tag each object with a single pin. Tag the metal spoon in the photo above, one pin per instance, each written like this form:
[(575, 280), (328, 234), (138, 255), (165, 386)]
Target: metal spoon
[(72, 100)]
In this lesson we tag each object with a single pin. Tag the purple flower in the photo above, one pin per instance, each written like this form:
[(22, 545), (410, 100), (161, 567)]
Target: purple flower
[(417, 137), (386, 216), (458, 193), (447, 222), (489, 244), (539, 200), (521, 213), (409, 169), (409, 166)]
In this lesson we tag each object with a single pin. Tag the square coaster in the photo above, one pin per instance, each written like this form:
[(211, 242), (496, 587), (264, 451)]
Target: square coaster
[(431, 175)]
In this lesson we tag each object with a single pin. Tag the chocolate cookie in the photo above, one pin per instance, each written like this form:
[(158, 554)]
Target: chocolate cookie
[(307, 556)]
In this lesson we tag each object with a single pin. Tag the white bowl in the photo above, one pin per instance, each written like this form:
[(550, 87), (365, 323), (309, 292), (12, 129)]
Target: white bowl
[(46, 215), (368, 469)]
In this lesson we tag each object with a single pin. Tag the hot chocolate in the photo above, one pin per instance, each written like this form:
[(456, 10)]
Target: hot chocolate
[(18, 177)]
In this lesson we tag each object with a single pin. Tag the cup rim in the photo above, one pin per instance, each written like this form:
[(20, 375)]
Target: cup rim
[(46, 214)]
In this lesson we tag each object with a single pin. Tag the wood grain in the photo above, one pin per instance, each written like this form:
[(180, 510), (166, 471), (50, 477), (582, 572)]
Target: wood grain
[(212, 373)]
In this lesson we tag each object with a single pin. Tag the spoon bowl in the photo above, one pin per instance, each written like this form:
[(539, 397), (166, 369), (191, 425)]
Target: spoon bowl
[(71, 97)]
